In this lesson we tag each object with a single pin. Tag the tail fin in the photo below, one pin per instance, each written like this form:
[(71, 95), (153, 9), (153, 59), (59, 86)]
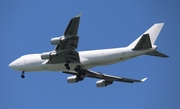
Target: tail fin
[(147, 40), (153, 34), (143, 43)]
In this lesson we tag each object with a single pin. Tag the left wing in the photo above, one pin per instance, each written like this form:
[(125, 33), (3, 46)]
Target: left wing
[(106, 79), (65, 45), (70, 35), (73, 25)]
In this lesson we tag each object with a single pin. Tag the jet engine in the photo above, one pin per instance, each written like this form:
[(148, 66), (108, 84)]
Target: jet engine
[(58, 40), (103, 83), (72, 79), (48, 55)]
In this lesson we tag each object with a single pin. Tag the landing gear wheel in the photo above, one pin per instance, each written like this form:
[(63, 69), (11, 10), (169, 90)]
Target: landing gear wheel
[(22, 75), (67, 66), (78, 68)]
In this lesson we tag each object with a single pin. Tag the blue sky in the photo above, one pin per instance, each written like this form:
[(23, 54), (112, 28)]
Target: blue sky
[(27, 26)]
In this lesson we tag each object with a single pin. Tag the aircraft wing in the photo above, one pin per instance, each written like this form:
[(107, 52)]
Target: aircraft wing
[(73, 25), (109, 78), (70, 34), (65, 50)]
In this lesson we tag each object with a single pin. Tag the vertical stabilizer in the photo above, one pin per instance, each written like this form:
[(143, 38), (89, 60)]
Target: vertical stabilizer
[(147, 40), (153, 34), (143, 43)]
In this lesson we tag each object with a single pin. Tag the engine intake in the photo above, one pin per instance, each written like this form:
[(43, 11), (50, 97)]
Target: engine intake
[(48, 55), (103, 83), (58, 40)]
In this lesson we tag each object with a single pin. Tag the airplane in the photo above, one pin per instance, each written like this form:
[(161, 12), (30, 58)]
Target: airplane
[(65, 58)]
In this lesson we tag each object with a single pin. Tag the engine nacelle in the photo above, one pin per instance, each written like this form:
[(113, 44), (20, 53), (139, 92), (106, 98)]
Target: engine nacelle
[(48, 55), (58, 40), (72, 79), (103, 83)]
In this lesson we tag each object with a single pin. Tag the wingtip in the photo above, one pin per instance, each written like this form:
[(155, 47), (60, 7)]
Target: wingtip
[(144, 79), (160, 24), (79, 15)]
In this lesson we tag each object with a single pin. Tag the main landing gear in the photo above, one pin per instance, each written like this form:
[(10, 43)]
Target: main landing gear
[(78, 69), (80, 72), (67, 66), (22, 75)]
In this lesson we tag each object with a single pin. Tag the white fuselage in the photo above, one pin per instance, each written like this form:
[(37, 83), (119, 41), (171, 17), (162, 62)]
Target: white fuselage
[(88, 59)]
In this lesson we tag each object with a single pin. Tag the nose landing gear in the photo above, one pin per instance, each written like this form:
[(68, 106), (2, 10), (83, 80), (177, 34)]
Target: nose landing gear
[(22, 75)]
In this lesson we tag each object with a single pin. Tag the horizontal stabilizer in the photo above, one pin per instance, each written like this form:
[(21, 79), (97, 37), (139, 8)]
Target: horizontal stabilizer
[(143, 43), (156, 53)]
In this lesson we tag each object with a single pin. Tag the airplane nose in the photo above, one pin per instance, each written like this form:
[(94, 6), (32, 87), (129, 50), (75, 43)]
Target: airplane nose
[(12, 65), (17, 65)]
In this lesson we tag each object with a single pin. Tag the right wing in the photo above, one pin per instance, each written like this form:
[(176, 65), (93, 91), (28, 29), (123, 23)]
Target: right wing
[(110, 78), (107, 78)]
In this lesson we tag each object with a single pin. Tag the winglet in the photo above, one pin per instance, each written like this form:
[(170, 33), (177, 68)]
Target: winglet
[(79, 15), (144, 79)]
